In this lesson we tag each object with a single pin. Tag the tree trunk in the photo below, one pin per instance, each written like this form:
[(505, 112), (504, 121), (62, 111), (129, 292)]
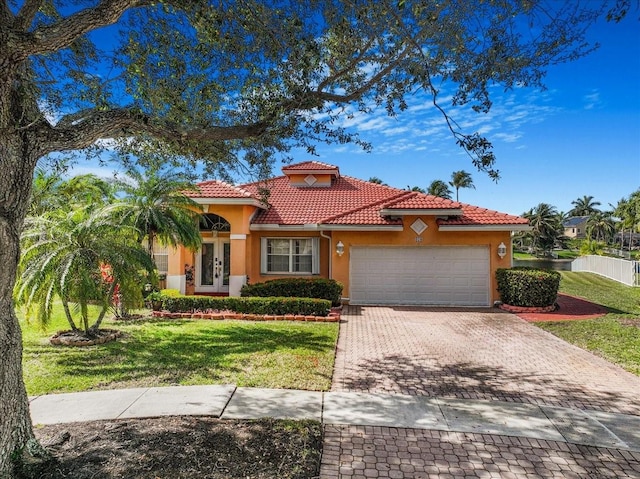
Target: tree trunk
[(17, 163)]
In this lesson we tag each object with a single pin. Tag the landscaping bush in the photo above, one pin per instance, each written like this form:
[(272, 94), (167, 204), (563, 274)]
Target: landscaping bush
[(319, 288), (252, 305), (528, 287), (172, 293)]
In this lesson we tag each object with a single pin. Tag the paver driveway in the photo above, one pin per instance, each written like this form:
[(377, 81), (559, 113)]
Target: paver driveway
[(473, 355)]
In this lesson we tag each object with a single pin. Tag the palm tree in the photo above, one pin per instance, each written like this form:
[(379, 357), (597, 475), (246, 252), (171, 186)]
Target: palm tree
[(547, 227), (416, 189), (51, 192), (377, 181), (78, 256), (584, 206), (461, 179), (439, 188), (628, 211), (600, 226), (156, 205)]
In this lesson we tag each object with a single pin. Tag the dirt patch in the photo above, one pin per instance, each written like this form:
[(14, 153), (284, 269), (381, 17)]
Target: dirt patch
[(80, 339), (184, 447), (634, 322)]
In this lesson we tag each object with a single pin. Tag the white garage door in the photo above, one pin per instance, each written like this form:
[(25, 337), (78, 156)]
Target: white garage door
[(432, 275)]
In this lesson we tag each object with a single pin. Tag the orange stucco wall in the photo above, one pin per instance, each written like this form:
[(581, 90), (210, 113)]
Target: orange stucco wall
[(321, 180), (245, 253), (430, 237), (239, 217), (254, 245)]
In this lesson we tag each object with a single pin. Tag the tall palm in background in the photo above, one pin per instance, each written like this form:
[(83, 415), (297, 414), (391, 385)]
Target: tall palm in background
[(439, 188), (627, 211), (584, 206), (601, 227), (461, 179), (377, 181), (546, 226)]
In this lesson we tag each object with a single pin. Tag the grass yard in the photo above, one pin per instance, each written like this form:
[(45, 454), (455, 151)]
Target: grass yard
[(615, 336), (186, 352)]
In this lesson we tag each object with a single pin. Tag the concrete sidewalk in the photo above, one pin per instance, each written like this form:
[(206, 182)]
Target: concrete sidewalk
[(584, 427)]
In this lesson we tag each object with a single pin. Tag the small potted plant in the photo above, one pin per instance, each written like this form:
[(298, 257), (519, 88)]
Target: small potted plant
[(155, 298)]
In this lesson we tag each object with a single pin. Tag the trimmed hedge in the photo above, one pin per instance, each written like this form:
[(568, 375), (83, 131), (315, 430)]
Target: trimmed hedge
[(528, 287), (253, 305), (320, 288)]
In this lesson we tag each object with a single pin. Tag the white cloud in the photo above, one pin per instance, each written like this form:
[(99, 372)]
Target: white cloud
[(592, 100)]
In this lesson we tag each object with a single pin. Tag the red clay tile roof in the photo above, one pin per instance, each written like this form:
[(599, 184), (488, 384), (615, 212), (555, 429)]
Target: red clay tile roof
[(348, 201), (290, 205), (421, 201), (218, 189), (474, 215), (312, 166)]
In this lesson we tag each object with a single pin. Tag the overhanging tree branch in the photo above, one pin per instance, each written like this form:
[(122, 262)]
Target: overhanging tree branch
[(362, 89), (27, 13), (83, 129), (58, 35)]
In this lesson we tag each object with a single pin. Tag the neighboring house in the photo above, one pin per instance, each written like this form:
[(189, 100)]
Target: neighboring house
[(575, 226), (386, 245)]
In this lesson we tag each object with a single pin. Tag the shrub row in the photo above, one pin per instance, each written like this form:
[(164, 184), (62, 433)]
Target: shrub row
[(253, 305), (524, 286), (320, 288)]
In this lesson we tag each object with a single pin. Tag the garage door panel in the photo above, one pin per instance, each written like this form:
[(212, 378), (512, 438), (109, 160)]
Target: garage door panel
[(420, 275)]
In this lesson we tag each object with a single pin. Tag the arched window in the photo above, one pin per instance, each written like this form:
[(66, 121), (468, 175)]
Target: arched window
[(213, 222)]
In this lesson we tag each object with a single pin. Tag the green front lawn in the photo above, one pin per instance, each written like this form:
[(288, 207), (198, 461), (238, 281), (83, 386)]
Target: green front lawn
[(622, 300), (161, 353), (615, 336)]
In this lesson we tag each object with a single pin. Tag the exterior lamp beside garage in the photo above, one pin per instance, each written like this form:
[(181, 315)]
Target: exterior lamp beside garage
[(340, 248), (502, 250)]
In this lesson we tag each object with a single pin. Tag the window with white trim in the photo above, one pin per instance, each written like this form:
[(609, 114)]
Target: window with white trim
[(290, 256), (160, 256)]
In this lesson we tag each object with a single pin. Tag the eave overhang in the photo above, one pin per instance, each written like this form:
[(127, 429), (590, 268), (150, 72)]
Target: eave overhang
[(506, 227), (311, 171), (417, 212), (230, 201), (324, 227)]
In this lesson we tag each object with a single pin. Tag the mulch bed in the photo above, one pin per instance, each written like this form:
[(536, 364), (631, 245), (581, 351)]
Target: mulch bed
[(183, 447), (570, 308), (78, 338)]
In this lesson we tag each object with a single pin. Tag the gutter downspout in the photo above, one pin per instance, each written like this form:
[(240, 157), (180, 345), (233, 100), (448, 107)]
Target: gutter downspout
[(322, 234)]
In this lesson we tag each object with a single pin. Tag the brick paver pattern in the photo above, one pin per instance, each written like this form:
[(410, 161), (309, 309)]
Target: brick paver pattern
[(474, 355), (359, 452)]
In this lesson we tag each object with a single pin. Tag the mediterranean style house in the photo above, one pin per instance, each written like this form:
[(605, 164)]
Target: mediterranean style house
[(386, 245)]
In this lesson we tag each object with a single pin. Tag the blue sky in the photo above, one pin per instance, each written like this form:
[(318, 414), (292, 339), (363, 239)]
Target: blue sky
[(579, 137)]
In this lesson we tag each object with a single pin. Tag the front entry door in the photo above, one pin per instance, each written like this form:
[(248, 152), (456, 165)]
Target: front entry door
[(213, 266)]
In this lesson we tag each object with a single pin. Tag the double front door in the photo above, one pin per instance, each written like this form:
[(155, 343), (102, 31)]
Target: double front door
[(213, 266)]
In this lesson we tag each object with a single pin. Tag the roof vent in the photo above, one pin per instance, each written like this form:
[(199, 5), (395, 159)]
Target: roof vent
[(419, 226), (310, 180)]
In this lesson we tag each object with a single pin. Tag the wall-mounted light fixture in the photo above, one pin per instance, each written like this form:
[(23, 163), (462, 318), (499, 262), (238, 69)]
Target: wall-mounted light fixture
[(502, 250), (339, 248)]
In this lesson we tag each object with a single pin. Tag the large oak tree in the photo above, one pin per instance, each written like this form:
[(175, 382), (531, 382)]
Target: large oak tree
[(230, 81)]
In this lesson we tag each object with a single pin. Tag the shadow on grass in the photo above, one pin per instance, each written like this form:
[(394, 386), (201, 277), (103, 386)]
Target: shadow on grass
[(404, 375), (174, 352)]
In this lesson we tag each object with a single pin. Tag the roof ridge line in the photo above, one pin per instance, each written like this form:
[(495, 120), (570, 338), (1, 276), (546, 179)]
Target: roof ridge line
[(237, 188), (368, 205), (453, 204), (322, 163)]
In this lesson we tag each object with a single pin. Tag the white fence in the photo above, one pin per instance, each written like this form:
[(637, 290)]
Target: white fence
[(621, 270)]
